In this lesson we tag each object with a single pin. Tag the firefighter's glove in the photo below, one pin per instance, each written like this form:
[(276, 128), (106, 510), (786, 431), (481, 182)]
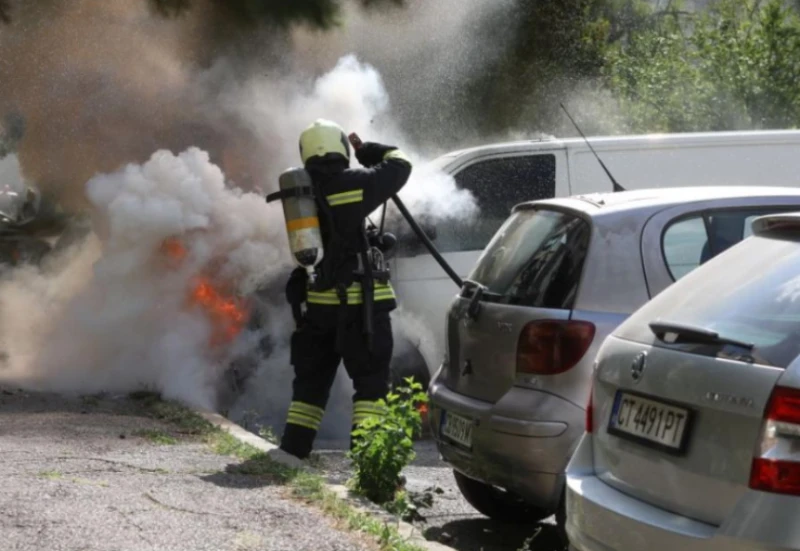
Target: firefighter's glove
[(297, 286), (371, 153)]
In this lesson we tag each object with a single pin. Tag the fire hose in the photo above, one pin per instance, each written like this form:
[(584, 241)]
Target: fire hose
[(356, 142)]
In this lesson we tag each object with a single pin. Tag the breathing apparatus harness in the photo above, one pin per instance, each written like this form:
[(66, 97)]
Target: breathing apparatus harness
[(329, 273), (301, 194)]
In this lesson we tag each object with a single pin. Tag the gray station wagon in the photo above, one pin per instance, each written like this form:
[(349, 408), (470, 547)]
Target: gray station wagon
[(508, 402), (692, 434)]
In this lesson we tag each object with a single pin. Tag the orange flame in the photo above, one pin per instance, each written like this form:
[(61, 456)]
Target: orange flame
[(228, 315), (174, 250)]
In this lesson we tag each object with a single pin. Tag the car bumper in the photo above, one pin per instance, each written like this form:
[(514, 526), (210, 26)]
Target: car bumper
[(523, 456), (600, 518)]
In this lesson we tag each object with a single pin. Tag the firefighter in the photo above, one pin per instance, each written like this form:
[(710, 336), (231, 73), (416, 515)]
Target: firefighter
[(349, 297)]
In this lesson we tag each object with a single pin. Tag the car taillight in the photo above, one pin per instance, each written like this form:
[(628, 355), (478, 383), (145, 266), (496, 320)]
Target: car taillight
[(548, 347), (776, 468), (590, 410)]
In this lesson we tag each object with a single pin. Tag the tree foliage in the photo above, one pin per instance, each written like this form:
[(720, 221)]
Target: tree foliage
[(734, 66), (553, 47)]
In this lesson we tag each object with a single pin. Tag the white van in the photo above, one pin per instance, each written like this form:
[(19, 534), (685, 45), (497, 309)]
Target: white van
[(502, 175)]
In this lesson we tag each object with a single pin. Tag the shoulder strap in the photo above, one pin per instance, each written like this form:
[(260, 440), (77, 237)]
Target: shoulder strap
[(334, 244)]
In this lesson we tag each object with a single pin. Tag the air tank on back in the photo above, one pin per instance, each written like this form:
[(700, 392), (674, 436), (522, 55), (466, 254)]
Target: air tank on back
[(302, 221)]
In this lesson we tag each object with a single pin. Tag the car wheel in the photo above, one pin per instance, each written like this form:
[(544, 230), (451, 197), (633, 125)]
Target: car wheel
[(407, 361), (497, 504)]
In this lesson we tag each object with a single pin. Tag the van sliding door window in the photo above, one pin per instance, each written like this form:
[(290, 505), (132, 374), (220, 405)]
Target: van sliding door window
[(497, 185)]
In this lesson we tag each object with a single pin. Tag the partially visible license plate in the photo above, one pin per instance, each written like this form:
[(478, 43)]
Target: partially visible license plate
[(457, 428), (646, 420)]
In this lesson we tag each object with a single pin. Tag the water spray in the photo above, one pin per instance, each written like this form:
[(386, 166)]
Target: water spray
[(357, 143)]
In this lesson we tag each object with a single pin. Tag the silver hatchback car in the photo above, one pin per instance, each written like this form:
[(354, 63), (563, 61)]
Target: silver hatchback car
[(507, 404), (693, 425)]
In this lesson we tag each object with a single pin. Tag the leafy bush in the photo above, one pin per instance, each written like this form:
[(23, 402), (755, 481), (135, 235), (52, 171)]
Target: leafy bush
[(734, 65), (384, 445)]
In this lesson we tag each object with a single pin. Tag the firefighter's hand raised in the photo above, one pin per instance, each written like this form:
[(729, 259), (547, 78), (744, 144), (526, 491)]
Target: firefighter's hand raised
[(296, 287), (371, 153)]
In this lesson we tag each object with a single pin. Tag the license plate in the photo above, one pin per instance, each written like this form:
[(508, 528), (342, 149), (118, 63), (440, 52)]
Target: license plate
[(457, 429), (665, 426)]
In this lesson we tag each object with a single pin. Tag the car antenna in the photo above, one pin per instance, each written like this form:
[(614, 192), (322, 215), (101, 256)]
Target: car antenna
[(617, 187)]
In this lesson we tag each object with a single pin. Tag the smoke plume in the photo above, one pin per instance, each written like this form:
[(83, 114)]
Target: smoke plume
[(117, 314), (11, 180), (157, 133)]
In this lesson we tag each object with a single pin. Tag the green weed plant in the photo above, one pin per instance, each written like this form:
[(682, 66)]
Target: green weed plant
[(384, 445)]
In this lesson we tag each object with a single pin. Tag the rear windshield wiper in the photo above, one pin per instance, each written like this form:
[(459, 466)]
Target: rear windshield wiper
[(479, 292), (678, 332)]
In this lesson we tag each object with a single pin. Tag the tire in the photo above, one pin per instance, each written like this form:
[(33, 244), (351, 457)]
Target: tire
[(407, 361), (497, 504)]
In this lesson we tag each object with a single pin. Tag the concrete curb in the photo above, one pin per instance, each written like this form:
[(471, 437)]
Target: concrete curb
[(405, 529)]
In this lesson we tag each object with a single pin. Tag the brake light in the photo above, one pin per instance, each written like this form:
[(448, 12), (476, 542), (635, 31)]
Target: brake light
[(549, 347), (590, 410), (776, 468)]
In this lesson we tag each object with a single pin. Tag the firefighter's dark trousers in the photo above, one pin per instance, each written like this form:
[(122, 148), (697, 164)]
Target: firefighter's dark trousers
[(316, 361)]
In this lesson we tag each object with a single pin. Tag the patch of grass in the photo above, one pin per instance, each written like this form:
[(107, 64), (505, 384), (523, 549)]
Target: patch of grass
[(261, 465), (157, 436), (267, 434), (52, 475), (186, 421), (311, 488), (303, 485), (225, 444)]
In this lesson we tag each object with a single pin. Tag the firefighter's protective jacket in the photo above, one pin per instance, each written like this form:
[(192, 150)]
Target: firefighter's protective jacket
[(351, 195)]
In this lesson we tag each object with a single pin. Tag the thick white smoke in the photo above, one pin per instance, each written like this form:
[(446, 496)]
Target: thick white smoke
[(114, 316), (129, 321), (10, 180), (11, 173), (354, 95)]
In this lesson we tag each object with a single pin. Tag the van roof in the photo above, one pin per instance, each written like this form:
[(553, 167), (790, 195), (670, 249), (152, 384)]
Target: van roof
[(658, 198), (683, 138)]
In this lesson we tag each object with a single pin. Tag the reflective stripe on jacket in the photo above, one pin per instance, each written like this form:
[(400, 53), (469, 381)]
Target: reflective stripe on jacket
[(383, 291), (352, 195)]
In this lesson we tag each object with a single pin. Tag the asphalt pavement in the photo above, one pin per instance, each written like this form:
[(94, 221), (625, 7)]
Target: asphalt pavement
[(450, 519), (99, 475)]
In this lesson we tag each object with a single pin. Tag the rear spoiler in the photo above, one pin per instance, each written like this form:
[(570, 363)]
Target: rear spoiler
[(776, 222)]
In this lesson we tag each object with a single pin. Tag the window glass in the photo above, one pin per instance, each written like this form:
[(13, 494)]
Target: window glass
[(751, 295), (686, 244), (497, 185), (683, 246), (748, 225), (535, 259)]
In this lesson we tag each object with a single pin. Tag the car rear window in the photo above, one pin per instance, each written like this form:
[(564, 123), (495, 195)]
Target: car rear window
[(535, 259), (750, 293)]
